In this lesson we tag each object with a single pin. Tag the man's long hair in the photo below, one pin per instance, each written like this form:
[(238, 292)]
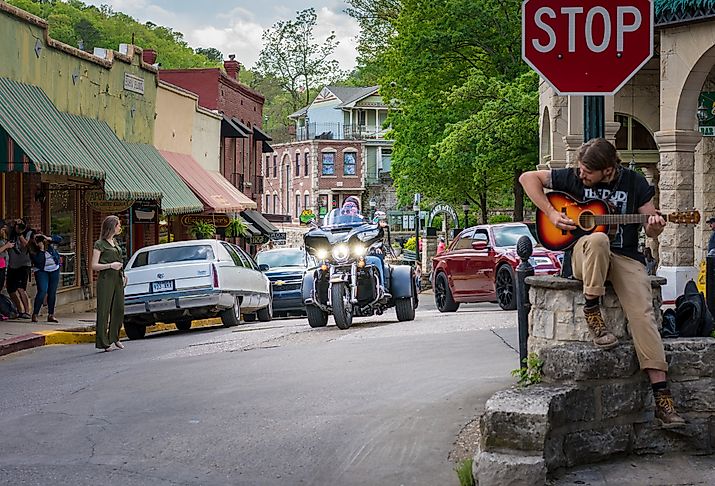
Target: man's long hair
[(598, 154)]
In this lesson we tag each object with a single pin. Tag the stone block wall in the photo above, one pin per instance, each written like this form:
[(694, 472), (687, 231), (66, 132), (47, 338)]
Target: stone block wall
[(592, 404)]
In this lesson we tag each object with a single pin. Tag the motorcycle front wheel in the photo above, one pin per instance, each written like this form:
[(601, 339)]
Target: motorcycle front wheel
[(342, 308)]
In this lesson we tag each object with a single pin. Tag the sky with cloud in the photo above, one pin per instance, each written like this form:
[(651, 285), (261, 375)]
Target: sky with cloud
[(236, 26)]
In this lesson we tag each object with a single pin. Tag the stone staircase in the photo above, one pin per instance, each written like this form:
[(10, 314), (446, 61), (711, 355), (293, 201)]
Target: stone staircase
[(592, 404)]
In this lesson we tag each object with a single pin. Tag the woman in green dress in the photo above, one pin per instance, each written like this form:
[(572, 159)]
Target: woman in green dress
[(107, 260)]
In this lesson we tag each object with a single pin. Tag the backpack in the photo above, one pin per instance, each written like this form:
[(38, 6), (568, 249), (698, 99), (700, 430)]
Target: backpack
[(7, 307), (692, 317)]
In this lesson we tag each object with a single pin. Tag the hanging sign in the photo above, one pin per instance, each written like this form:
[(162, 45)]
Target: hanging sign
[(218, 220), (443, 209), (97, 200)]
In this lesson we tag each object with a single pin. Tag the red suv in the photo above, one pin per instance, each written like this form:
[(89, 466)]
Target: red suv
[(480, 264)]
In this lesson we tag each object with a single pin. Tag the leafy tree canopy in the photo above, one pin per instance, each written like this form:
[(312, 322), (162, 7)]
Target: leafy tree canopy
[(77, 24)]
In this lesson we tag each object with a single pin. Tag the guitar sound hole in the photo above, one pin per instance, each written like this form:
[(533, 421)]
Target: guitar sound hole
[(587, 221)]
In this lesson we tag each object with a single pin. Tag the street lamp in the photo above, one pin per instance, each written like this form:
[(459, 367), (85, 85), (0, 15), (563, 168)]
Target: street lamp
[(465, 208), (703, 113)]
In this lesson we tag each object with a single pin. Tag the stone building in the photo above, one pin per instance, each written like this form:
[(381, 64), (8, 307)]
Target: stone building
[(654, 122)]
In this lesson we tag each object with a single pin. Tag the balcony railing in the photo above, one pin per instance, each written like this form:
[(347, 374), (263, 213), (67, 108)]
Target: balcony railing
[(338, 131)]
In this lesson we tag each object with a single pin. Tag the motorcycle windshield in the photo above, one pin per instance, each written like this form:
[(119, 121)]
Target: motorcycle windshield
[(339, 217)]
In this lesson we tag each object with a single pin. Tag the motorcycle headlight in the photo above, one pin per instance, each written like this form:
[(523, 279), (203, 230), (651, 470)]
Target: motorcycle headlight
[(359, 250), (341, 252), (368, 235), (322, 254)]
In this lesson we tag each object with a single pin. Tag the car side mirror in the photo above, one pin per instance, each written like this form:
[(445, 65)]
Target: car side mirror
[(479, 245), (263, 267)]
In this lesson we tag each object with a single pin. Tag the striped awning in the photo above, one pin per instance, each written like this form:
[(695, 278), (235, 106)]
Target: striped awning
[(217, 193), (35, 124), (123, 178), (177, 196)]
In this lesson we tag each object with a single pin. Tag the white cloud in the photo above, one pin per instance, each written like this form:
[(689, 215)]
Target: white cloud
[(242, 38), (346, 30)]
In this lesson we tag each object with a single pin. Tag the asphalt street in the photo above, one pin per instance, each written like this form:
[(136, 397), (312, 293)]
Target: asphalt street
[(260, 404)]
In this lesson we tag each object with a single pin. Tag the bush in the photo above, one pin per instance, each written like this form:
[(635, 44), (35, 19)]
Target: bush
[(499, 218), (411, 244)]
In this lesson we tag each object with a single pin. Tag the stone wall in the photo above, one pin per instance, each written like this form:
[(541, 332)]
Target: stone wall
[(592, 404)]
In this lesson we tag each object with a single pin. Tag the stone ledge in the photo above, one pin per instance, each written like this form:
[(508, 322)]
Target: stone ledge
[(493, 469), (558, 283), (583, 361)]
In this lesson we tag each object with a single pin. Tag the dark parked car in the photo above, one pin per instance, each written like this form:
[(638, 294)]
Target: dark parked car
[(480, 263), (285, 267)]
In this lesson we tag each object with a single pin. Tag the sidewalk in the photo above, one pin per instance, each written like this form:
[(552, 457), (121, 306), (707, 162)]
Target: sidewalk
[(73, 328)]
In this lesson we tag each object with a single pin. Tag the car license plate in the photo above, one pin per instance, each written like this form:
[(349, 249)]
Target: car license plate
[(163, 286)]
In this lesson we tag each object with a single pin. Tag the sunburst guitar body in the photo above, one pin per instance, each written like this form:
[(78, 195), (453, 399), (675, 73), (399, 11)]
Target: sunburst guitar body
[(591, 216)]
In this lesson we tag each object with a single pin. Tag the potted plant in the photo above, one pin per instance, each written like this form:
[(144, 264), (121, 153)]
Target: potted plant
[(202, 230), (237, 228)]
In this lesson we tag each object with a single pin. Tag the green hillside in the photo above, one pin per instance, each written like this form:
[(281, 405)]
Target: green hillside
[(77, 24)]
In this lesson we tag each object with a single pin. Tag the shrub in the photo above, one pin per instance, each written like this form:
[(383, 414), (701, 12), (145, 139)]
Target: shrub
[(499, 218)]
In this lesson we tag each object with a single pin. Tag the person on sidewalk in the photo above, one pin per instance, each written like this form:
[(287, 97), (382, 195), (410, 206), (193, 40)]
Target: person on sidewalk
[(711, 241), (107, 260), (441, 246), (600, 175), (5, 245), (19, 264), (46, 268)]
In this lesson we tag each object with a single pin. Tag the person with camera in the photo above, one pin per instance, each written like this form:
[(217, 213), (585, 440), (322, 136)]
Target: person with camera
[(46, 265), (19, 264), (5, 245)]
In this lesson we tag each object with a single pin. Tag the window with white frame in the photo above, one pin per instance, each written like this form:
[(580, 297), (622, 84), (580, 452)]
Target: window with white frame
[(350, 163), (328, 163)]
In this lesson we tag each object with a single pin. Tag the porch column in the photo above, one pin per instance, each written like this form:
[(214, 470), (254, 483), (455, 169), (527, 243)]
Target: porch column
[(572, 143), (676, 243)]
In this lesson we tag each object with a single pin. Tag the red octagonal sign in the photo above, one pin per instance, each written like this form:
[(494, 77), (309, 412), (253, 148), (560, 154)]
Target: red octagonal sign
[(587, 47)]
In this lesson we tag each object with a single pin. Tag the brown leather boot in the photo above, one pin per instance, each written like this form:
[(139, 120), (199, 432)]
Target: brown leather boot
[(665, 411), (602, 337)]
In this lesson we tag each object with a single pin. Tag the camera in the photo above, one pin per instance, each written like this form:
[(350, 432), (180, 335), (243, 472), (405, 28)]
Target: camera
[(41, 238)]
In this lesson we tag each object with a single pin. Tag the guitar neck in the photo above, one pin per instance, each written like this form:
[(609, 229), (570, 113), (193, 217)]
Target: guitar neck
[(621, 218)]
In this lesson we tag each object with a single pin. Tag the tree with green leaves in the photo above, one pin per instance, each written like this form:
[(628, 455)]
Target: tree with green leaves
[(211, 53), (292, 56), (466, 106)]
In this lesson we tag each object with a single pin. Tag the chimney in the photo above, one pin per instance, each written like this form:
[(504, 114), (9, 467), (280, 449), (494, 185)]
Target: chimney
[(232, 66), (149, 56)]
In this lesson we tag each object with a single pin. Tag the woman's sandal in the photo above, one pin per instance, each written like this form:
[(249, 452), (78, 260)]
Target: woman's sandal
[(119, 345)]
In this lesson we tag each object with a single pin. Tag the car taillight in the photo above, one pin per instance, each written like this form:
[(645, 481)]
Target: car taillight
[(215, 275)]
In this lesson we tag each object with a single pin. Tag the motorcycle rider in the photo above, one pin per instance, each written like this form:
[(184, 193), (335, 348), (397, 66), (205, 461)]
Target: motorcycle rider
[(377, 255)]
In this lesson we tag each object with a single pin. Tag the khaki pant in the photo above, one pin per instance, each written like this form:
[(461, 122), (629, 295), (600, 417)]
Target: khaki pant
[(594, 263)]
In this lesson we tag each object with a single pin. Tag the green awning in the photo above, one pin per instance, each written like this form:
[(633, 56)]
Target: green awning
[(123, 178), (35, 124), (177, 197)]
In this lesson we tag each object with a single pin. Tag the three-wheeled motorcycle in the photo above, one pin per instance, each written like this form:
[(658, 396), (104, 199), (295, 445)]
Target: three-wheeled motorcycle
[(346, 282)]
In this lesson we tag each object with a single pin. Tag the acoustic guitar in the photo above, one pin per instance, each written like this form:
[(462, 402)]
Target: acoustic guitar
[(593, 215)]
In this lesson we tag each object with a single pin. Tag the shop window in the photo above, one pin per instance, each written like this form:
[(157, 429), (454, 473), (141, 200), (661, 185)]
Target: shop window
[(328, 164), (63, 222), (297, 205), (349, 163), (322, 205), (633, 135), (306, 204)]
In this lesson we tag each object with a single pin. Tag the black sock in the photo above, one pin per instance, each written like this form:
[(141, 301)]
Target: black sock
[(592, 302), (661, 385)]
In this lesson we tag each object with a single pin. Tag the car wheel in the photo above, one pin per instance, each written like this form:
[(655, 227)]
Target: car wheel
[(443, 296), (504, 287), (231, 316), (183, 325), (249, 317), (316, 316), (135, 331), (265, 314)]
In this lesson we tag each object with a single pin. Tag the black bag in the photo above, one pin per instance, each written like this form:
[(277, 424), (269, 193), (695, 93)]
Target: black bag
[(7, 307), (692, 317), (670, 327)]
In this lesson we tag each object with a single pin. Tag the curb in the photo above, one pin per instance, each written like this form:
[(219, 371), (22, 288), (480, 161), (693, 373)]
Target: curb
[(43, 338)]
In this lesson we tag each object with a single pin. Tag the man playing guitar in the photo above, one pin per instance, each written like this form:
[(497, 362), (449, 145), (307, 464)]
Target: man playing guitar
[(596, 258)]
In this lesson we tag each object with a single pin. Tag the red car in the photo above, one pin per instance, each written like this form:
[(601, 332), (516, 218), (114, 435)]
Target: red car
[(480, 265)]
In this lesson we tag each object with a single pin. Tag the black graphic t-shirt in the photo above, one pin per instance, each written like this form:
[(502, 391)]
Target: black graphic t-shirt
[(627, 192)]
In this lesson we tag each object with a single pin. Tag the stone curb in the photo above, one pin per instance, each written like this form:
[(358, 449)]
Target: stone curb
[(42, 338)]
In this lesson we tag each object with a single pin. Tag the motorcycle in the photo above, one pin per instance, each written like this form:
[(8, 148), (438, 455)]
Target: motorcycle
[(344, 284)]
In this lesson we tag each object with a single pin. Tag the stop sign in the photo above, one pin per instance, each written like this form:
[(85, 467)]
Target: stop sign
[(587, 47)]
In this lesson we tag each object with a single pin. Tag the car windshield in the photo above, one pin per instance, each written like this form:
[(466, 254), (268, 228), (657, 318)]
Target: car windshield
[(281, 258), (174, 254), (509, 235), (343, 216)]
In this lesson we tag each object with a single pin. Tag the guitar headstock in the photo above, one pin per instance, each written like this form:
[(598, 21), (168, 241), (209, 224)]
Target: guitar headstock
[(684, 217)]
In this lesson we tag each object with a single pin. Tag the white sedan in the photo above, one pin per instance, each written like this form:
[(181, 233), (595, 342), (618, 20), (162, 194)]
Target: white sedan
[(185, 280)]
